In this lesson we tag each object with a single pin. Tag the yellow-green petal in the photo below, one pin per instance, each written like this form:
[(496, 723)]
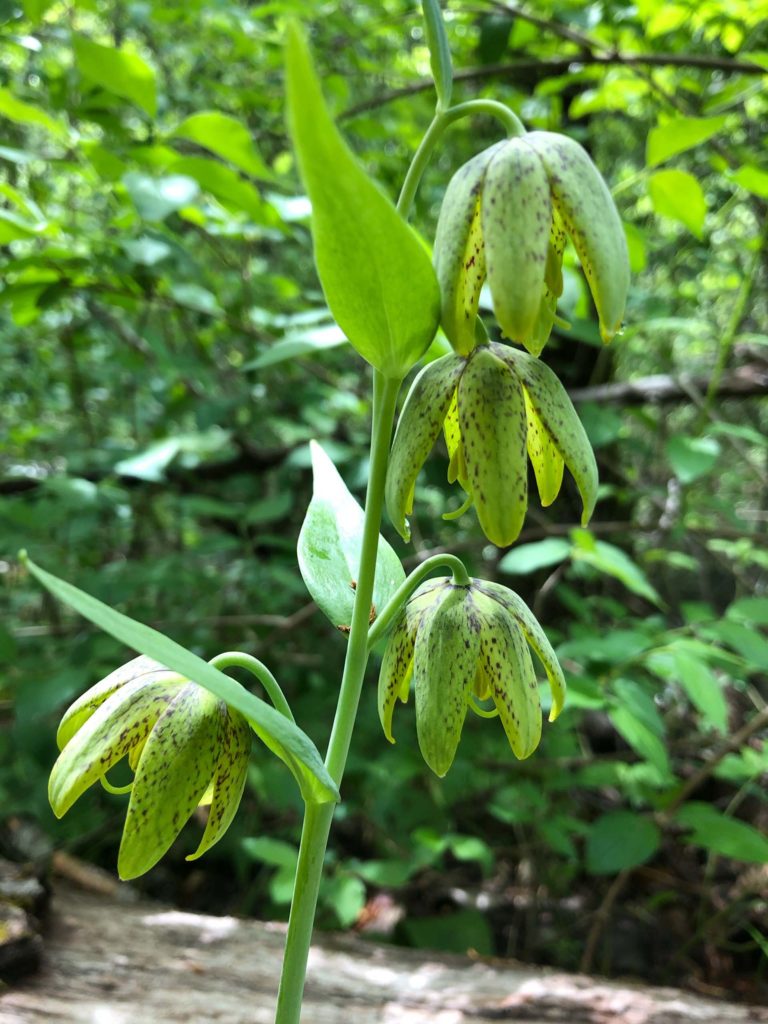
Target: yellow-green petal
[(115, 728), (417, 430), (516, 219), (445, 660), (554, 408), (234, 748), (176, 767), (494, 433), (546, 460), (459, 257), (590, 217)]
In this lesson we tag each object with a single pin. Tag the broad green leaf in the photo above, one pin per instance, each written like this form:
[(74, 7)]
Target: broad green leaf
[(678, 135), (226, 137), (678, 195), (345, 893), (376, 274), (26, 113), (747, 642), (722, 834), (692, 457), (612, 561), (194, 296), (224, 184), (118, 71), (35, 9), (753, 609), (642, 740), (678, 664), (300, 343), (157, 198), (753, 179), (330, 542), (456, 932), (280, 735), (619, 840), (530, 557)]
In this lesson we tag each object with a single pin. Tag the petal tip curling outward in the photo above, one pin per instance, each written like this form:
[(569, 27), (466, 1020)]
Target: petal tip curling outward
[(590, 217), (417, 430)]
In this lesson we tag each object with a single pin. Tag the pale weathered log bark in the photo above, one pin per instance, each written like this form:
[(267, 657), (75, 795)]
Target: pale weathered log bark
[(109, 961)]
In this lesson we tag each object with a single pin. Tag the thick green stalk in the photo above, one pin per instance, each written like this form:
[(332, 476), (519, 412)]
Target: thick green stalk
[(318, 817)]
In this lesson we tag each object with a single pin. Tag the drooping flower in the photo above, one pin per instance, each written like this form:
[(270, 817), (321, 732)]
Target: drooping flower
[(185, 746), (458, 645), (505, 217), (498, 407)]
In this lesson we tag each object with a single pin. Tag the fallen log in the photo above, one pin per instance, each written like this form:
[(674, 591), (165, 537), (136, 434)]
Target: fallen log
[(111, 961)]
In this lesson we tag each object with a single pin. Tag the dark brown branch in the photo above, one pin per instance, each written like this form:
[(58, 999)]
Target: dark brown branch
[(750, 379), (541, 68)]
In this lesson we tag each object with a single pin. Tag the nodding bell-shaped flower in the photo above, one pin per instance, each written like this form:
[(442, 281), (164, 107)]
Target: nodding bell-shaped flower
[(505, 216), (185, 746), (459, 645), (498, 407)]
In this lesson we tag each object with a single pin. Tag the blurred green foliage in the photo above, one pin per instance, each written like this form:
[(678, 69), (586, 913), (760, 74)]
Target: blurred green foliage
[(167, 355)]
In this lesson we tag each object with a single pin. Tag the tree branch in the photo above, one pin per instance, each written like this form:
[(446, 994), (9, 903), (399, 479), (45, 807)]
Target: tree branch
[(663, 389)]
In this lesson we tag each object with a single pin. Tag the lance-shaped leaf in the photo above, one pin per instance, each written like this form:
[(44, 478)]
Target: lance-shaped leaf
[(417, 430), (280, 735), (330, 543), (494, 436), (375, 272), (555, 411)]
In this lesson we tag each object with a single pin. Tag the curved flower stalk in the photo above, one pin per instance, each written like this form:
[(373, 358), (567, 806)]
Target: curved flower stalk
[(505, 217), (461, 644), (498, 408), (186, 747)]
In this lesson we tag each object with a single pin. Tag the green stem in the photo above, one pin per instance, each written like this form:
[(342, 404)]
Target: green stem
[(318, 817), (395, 604), (441, 120), (236, 659)]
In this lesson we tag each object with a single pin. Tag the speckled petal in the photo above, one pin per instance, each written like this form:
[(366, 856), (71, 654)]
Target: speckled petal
[(417, 430), (553, 288), (445, 660), (516, 218), (139, 668), (175, 769), (459, 255), (494, 431), (535, 636), (591, 219), (555, 410), (113, 730), (457, 466), (234, 746), (546, 460), (397, 664), (507, 667)]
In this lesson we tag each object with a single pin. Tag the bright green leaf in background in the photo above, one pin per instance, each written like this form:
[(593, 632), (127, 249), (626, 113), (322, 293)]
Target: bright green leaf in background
[(26, 113), (678, 135), (692, 457), (226, 137), (540, 555), (722, 834), (119, 72), (619, 840), (679, 663), (753, 179), (157, 198), (612, 561), (330, 542), (679, 196), (279, 734), (376, 274)]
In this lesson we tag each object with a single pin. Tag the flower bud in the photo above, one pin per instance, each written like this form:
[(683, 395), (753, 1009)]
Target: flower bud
[(460, 644), (505, 217), (185, 746)]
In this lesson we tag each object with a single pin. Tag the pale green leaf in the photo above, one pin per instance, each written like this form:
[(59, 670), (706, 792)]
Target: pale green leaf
[(330, 542), (226, 137), (692, 457), (281, 736), (678, 135), (542, 554), (753, 179), (120, 72), (612, 561), (19, 112), (619, 840), (376, 274), (157, 198), (722, 834), (679, 196)]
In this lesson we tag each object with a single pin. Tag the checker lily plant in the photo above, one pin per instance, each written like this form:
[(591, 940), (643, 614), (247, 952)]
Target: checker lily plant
[(462, 644)]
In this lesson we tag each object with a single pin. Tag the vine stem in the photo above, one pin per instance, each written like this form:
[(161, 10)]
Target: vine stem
[(318, 817)]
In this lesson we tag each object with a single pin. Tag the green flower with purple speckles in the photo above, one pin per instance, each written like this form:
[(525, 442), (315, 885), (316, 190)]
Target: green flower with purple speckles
[(185, 746), (505, 217), (459, 645), (499, 407)]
